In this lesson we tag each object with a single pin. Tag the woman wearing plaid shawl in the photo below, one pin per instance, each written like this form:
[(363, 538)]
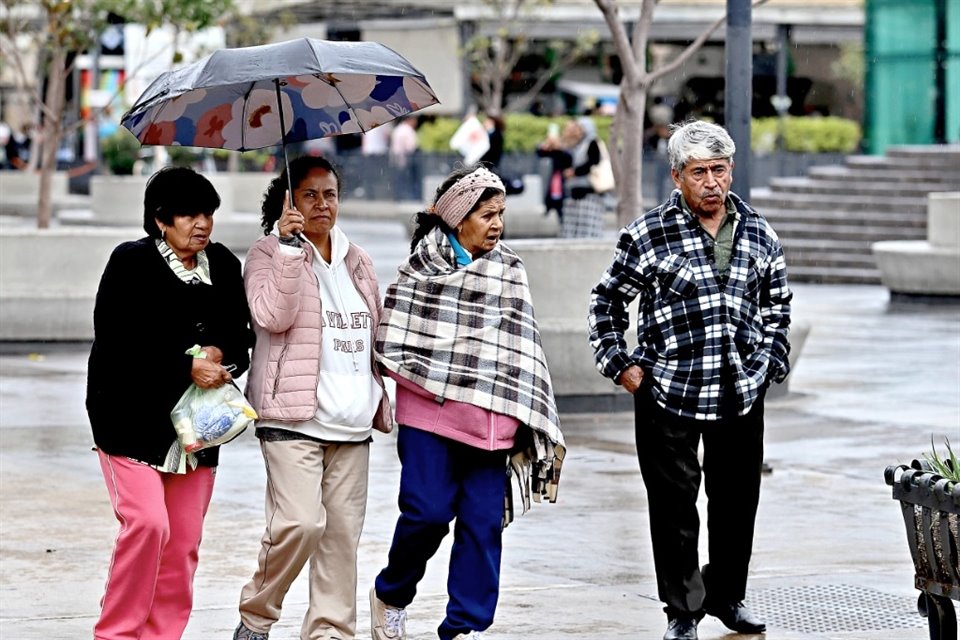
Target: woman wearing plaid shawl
[(474, 403)]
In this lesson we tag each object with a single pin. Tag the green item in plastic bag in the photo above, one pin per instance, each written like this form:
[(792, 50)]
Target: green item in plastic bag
[(210, 417)]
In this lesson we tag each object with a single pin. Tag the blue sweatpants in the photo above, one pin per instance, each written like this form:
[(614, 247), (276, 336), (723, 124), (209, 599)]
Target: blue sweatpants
[(442, 480)]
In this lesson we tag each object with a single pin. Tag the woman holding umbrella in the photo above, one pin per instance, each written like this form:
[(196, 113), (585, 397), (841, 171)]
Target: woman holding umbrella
[(473, 392), (158, 297), (315, 304)]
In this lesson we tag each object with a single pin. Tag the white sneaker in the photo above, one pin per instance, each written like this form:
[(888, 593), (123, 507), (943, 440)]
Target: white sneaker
[(473, 635), (386, 622)]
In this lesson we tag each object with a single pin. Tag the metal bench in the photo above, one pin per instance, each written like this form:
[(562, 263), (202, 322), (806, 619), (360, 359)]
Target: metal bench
[(931, 513)]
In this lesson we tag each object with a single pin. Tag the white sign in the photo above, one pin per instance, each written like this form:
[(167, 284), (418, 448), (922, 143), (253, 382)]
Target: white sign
[(99, 98)]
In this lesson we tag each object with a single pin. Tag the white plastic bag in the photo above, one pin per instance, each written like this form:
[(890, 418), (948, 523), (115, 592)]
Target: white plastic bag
[(210, 417), (470, 140)]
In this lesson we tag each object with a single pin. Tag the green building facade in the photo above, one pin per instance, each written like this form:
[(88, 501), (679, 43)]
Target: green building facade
[(912, 50)]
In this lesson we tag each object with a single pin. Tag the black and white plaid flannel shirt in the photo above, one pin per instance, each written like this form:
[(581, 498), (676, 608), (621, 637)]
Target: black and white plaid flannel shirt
[(695, 325)]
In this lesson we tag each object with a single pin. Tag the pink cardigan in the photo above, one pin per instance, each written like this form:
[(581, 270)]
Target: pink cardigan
[(459, 421), (284, 301)]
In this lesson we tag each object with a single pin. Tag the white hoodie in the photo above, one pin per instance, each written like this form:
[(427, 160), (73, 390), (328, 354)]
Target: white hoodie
[(348, 396)]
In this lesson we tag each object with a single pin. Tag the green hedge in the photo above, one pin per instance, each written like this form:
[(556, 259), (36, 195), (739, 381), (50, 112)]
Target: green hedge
[(192, 156), (522, 134), (525, 131), (806, 135)]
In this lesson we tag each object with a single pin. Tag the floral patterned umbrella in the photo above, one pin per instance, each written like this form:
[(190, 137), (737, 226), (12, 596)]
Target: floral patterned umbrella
[(255, 97)]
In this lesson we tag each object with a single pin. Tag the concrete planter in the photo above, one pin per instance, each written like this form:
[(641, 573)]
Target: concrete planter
[(928, 267), (49, 280), (561, 274), (26, 183), (20, 190), (118, 200), (49, 277), (246, 188)]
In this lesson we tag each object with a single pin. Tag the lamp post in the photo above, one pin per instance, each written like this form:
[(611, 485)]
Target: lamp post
[(738, 92), (781, 101)]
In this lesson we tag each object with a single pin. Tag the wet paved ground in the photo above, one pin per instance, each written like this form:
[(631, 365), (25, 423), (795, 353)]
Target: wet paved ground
[(874, 382)]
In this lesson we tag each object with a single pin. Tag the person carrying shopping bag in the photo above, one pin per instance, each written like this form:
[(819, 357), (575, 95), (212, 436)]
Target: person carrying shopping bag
[(583, 206), (158, 297)]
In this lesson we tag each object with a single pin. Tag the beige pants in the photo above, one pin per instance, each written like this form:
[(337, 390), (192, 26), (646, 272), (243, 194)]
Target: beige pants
[(315, 505)]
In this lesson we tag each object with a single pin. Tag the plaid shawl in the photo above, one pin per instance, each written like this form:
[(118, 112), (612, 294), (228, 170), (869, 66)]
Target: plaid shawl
[(470, 335)]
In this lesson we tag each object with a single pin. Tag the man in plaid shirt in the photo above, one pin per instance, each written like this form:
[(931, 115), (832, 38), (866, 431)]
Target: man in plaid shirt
[(714, 312)]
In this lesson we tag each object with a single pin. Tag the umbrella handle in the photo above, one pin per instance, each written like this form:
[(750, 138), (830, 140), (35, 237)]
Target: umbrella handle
[(283, 140)]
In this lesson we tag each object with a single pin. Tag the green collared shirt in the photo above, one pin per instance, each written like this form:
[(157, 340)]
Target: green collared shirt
[(722, 243)]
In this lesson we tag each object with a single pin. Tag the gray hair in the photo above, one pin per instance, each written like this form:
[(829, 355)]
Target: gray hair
[(697, 140)]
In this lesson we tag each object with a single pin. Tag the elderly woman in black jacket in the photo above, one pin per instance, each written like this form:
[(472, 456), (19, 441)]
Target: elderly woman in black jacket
[(158, 297)]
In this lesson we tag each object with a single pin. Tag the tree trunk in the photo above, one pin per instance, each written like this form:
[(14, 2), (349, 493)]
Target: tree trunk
[(633, 95), (630, 113), (52, 132)]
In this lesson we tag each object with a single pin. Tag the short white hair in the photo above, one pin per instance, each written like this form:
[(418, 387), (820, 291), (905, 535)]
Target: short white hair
[(698, 140)]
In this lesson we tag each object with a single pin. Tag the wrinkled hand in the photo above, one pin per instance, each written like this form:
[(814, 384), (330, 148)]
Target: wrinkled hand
[(209, 375), (291, 221), (631, 378), (213, 353)]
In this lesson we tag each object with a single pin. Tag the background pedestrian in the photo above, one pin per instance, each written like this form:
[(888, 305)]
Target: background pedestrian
[(403, 147)]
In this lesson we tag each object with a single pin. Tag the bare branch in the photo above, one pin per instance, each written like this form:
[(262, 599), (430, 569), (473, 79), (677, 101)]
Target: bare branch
[(685, 55), (571, 54), (517, 49), (641, 34), (615, 145), (621, 41), (35, 96)]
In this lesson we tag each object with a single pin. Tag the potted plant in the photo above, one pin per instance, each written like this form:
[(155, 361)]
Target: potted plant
[(120, 152), (929, 494)]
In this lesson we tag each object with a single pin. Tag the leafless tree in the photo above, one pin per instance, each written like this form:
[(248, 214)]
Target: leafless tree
[(626, 132), (494, 57), (54, 29)]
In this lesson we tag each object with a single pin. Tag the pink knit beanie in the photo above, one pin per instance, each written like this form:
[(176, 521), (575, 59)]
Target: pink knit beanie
[(454, 205)]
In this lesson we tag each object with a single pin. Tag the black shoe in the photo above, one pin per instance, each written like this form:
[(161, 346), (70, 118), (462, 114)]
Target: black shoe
[(681, 628), (737, 618)]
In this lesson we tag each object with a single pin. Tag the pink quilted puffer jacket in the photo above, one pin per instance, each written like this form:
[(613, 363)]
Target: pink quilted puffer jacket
[(285, 306)]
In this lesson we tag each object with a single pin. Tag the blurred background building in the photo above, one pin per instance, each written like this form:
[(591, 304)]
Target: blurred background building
[(821, 35), (891, 65)]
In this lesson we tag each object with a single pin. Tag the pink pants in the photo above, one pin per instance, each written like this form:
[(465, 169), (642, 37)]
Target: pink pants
[(149, 591)]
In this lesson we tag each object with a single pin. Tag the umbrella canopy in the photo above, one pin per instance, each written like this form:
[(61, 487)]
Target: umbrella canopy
[(255, 97)]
